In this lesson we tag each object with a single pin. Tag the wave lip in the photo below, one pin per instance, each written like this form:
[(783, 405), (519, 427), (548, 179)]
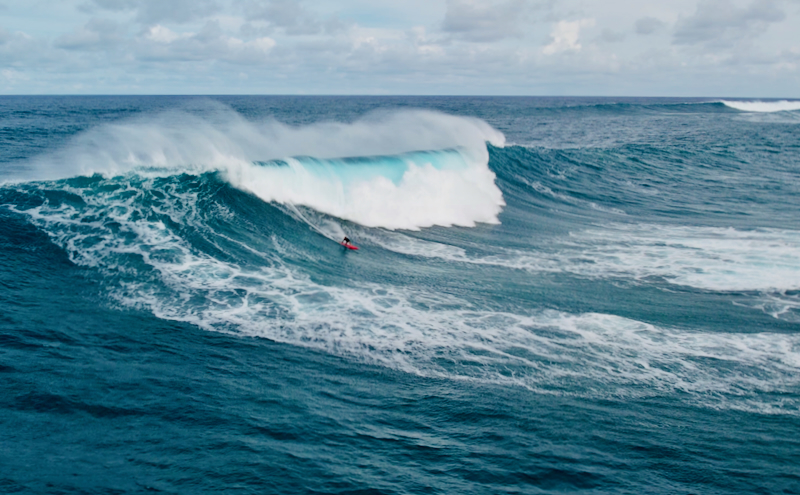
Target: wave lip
[(763, 106)]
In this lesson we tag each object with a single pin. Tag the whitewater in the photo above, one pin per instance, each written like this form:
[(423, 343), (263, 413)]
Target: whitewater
[(551, 295)]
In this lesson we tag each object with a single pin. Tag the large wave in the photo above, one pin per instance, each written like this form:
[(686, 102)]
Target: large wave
[(398, 170)]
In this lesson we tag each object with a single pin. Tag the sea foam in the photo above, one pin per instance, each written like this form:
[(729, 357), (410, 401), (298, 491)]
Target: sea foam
[(148, 264)]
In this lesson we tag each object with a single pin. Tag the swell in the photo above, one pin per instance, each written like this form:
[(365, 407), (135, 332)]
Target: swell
[(697, 183)]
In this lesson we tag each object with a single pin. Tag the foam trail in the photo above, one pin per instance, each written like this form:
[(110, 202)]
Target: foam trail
[(718, 259), (148, 264), (764, 106), (709, 258), (324, 226), (762, 262)]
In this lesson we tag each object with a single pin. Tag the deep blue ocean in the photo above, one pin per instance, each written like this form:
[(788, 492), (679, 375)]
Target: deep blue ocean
[(552, 295)]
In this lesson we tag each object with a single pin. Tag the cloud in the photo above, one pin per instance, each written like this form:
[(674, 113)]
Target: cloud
[(159, 43), (97, 34), (648, 25), (610, 36), (721, 22), (565, 36), (417, 46), (160, 34), (158, 11), (12, 76), (484, 21), (23, 50), (288, 15)]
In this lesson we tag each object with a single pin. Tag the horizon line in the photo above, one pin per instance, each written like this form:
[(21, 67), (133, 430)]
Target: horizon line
[(392, 95)]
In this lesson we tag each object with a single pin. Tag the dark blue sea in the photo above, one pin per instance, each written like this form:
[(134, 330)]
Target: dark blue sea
[(551, 295)]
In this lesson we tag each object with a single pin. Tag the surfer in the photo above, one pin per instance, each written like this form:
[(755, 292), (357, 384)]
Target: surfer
[(346, 241)]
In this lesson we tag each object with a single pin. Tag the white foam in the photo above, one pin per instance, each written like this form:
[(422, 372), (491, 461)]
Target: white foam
[(710, 258), (404, 244), (764, 106), (719, 259), (420, 331), (425, 196), (763, 262)]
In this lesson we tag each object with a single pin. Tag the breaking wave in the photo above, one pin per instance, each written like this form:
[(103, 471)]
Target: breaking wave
[(398, 170), (764, 106)]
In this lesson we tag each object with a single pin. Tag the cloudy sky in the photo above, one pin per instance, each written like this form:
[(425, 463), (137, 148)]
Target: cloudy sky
[(747, 48)]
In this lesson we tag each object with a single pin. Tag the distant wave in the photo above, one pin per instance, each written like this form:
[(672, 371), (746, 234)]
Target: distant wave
[(680, 106), (764, 106)]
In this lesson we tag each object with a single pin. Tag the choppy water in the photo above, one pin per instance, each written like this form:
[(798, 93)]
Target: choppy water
[(552, 295)]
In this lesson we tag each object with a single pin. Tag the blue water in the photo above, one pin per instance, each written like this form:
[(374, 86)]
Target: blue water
[(552, 295)]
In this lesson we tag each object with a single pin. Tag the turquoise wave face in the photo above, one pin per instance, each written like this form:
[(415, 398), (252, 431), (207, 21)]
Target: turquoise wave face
[(355, 169)]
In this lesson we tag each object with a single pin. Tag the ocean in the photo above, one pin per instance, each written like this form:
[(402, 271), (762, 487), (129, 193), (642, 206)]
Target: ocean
[(551, 295)]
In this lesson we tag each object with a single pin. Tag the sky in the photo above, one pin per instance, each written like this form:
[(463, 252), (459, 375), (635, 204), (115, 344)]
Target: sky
[(725, 48)]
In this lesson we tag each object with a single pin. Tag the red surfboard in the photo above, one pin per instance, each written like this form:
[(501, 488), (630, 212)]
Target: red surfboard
[(349, 246)]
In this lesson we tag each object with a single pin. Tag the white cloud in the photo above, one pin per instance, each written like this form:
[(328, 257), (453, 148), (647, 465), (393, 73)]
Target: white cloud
[(97, 34), (480, 20), (610, 36), (648, 25), (158, 11), (566, 35), (722, 22), (21, 50), (356, 46), (160, 34), (288, 15), (209, 44), (13, 76)]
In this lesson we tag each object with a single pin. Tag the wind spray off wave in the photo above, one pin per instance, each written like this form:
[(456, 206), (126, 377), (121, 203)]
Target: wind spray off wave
[(398, 170)]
